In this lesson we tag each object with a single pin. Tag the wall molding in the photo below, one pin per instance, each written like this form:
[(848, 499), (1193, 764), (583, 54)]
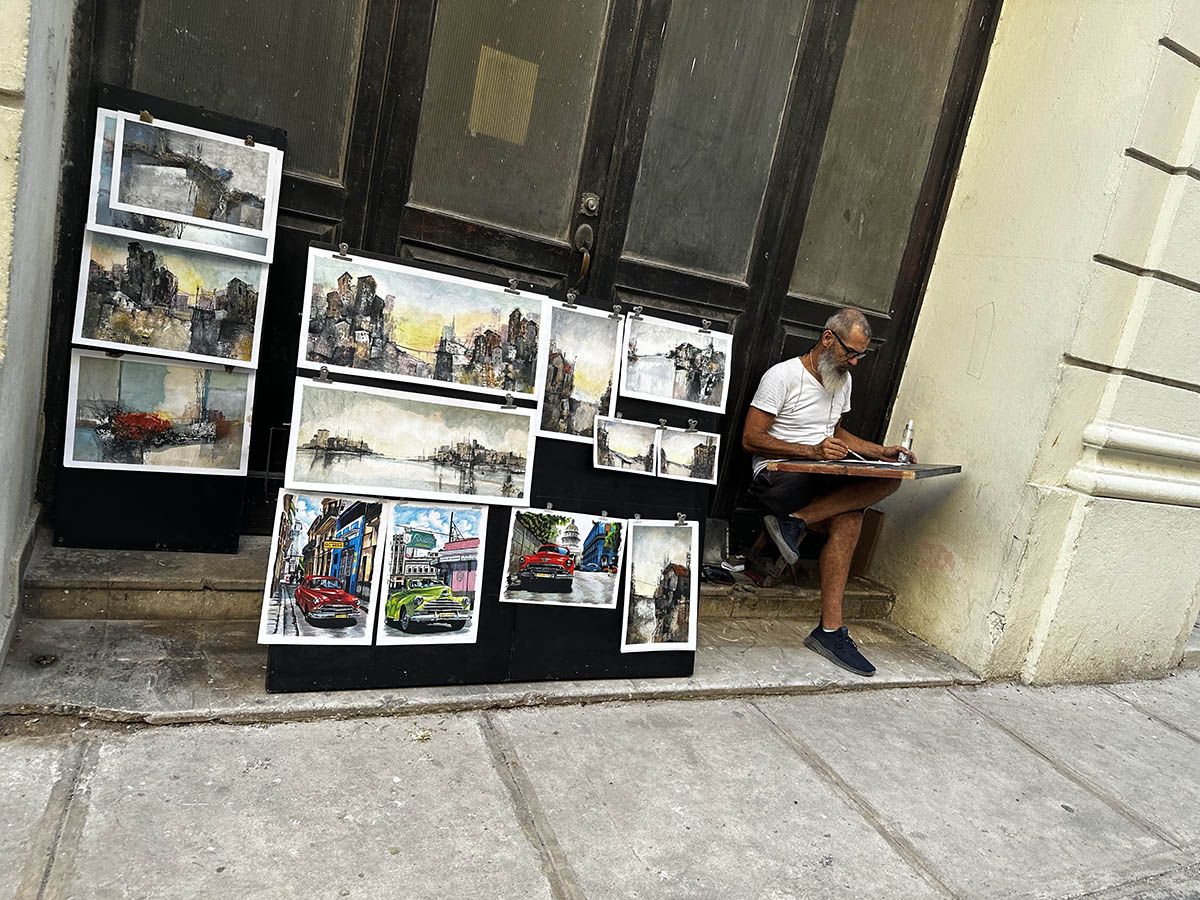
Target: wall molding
[(1105, 435)]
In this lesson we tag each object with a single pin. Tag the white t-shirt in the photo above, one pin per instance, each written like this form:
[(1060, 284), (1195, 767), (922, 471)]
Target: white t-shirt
[(805, 413)]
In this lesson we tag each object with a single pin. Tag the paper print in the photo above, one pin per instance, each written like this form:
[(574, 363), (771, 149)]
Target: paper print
[(562, 559), (143, 413), (688, 455), (405, 323), (372, 441), (660, 587), (585, 347), (674, 363), (167, 300), (173, 171), (625, 446), (434, 574), (102, 217), (321, 580)]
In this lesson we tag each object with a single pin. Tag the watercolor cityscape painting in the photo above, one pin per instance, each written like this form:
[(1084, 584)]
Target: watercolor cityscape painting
[(688, 455), (373, 441), (102, 217), (169, 300), (624, 445), (433, 574), (410, 324), (562, 559), (322, 576), (164, 169), (581, 362), (142, 413), (674, 363), (660, 587)]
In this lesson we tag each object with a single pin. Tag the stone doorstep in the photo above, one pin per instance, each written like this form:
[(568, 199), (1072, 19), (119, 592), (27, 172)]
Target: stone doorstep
[(70, 583)]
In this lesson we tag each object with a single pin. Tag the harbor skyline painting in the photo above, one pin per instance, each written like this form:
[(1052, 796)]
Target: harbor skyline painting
[(411, 324), (142, 413), (670, 362), (373, 441)]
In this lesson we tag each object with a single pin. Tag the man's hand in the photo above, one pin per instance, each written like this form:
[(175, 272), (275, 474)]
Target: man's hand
[(831, 448), (893, 453)]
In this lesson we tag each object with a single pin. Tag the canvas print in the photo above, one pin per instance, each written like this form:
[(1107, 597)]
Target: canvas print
[(660, 587), (322, 576), (674, 363), (625, 446), (581, 363), (144, 413), (367, 440), (688, 455), (433, 574), (173, 171), (102, 217), (562, 559), (168, 300), (410, 324)]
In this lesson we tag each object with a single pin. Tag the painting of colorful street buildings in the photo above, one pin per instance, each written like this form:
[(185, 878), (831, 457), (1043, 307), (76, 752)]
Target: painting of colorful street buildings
[(563, 559), (434, 562), (412, 324), (584, 350), (322, 579), (660, 587)]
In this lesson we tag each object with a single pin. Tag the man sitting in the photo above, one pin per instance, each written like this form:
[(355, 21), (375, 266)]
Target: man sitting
[(796, 413)]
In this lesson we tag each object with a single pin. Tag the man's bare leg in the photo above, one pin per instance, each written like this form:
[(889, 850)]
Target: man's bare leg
[(843, 530), (858, 495)]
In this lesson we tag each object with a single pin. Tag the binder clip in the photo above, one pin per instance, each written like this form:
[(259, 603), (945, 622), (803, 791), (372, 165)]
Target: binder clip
[(662, 423), (680, 519), (549, 505), (508, 402), (637, 313), (616, 313), (145, 116), (618, 415), (115, 354), (323, 377), (249, 140), (512, 287), (572, 296), (344, 253), (692, 423), (637, 516), (704, 323), (604, 513)]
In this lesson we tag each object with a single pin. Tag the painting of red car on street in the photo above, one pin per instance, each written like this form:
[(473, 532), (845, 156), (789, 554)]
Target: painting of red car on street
[(562, 559), (321, 580)]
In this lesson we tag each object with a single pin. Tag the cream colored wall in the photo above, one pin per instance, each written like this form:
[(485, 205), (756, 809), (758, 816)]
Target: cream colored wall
[(33, 83), (1055, 357)]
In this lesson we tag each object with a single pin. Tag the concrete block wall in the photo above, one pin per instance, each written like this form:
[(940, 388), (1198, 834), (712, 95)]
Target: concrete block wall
[(1056, 357), (34, 44)]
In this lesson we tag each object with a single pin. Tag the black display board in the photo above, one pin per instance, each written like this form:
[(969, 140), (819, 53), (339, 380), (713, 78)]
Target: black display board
[(153, 510)]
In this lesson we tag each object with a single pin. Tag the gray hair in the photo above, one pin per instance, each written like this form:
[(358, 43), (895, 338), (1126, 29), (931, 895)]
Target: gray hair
[(846, 320)]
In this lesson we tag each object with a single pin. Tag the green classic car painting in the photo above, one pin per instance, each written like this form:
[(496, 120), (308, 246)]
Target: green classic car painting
[(426, 602)]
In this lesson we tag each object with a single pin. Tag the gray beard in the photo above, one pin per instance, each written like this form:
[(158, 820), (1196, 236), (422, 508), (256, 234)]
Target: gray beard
[(833, 378)]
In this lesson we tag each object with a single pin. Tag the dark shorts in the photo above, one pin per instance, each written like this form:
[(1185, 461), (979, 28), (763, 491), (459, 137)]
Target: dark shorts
[(782, 493)]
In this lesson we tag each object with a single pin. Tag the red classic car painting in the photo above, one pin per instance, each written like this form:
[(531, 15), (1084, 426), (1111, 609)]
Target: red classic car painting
[(552, 567), (322, 599)]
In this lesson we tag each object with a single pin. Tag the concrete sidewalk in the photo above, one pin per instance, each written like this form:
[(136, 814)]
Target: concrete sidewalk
[(988, 791)]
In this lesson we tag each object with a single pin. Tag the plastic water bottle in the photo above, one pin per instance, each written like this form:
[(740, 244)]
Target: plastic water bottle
[(906, 455)]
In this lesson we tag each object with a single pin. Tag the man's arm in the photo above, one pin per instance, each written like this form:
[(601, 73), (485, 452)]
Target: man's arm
[(866, 448), (756, 440)]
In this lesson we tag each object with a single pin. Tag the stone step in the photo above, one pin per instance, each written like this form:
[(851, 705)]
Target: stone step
[(72, 583)]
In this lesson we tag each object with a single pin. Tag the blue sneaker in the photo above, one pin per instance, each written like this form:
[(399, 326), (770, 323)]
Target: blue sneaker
[(839, 648), (786, 532)]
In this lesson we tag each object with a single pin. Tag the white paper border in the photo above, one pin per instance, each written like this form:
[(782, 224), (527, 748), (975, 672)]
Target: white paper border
[(73, 413), (596, 446), (612, 604), (400, 493), (658, 455), (93, 199), (369, 615), (612, 397), (693, 591), (718, 336), (78, 337), (470, 635), (304, 363), (270, 197)]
